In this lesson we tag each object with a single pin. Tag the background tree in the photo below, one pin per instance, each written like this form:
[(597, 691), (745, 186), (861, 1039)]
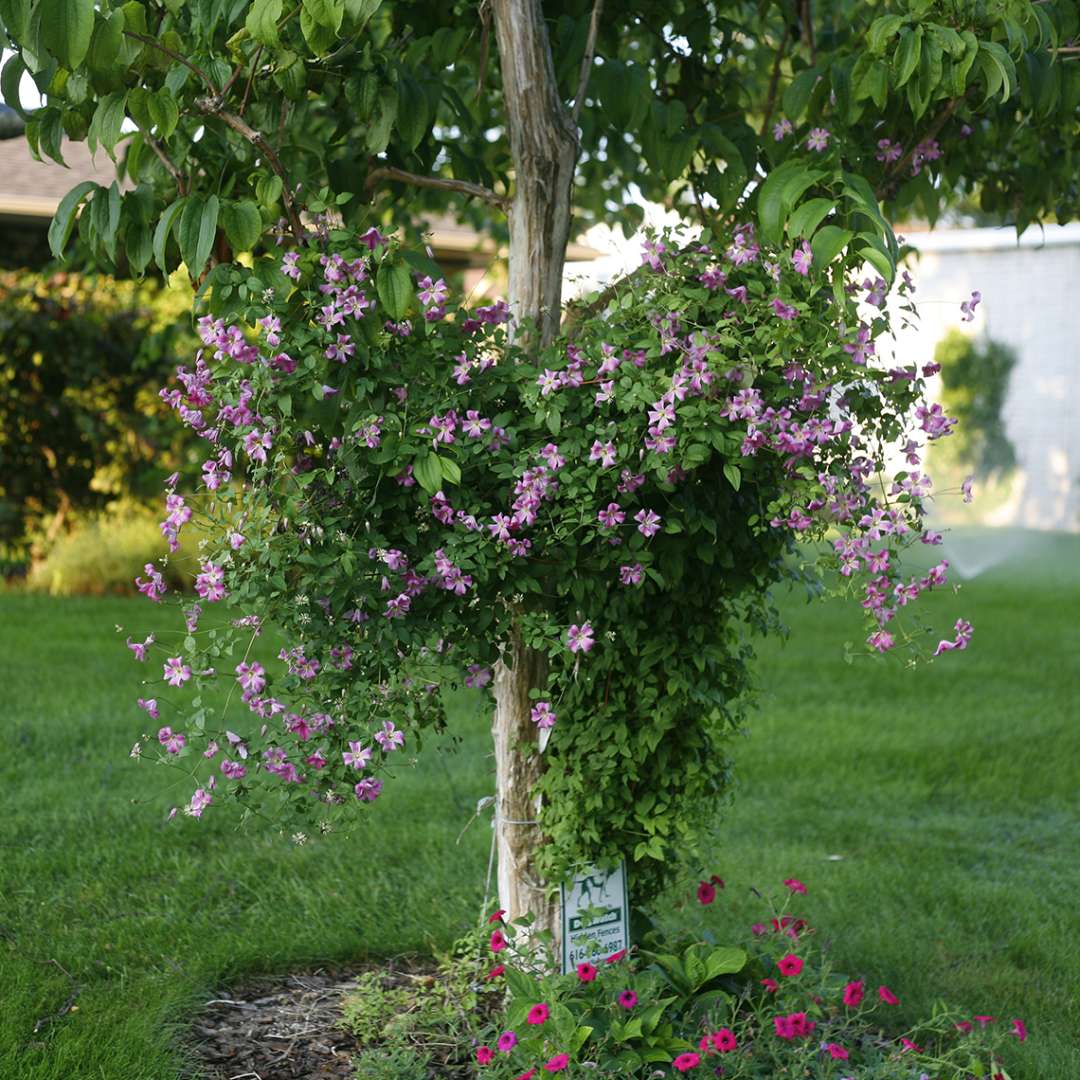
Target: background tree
[(820, 121)]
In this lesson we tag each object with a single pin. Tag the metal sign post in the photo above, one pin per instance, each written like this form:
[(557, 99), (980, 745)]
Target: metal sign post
[(595, 915)]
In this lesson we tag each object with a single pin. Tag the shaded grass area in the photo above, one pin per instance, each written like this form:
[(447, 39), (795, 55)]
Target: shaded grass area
[(950, 792), (149, 917)]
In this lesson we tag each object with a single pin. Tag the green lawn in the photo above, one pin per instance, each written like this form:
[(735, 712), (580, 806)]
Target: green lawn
[(949, 792)]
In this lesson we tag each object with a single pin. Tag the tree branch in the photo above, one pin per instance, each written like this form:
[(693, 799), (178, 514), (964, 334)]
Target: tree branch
[(441, 183), (207, 81), (774, 80), (889, 182), (170, 167), (806, 17), (213, 106), (587, 61)]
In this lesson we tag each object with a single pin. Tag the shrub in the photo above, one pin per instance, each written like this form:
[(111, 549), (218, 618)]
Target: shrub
[(771, 1007), (975, 383), (104, 552), (82, 358)]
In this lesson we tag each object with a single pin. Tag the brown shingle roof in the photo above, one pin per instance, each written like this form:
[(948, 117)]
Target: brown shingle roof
[(32, 189)]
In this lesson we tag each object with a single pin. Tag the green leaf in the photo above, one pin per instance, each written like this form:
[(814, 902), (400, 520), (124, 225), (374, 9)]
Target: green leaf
[(428, 473), (261, 21), (724, 961), (198, 226), (66, 29), (394, 287), (105, 43), (268, 191), (320, 38), (797, 95), (9, 83), (106, 125), (64, 219), (880, 262), (412, 111), (164, 112), (328, 13), (782, 187), (733, 475), (139, 246), (881, 29), (809, 216), (242, 223), (906, 57), (164, 228), (378, 135), (15, 15), (828, 242), (451, 471), (993, 58)]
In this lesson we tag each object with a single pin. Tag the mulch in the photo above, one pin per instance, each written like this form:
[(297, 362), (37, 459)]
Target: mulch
[(284, 1028)]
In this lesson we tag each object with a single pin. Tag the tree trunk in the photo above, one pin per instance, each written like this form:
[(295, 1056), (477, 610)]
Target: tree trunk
[(543, 142)]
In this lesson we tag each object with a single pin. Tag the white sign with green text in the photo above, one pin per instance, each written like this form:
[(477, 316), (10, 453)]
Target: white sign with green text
[(595, 916)]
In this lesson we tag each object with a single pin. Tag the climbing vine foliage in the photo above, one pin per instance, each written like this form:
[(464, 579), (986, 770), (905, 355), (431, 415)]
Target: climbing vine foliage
[(397, 487)]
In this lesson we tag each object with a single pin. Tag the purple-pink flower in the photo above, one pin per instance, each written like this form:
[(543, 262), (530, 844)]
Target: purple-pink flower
[(648, 523), (818, 139), (542, 715), (176, 672), (580, 638)]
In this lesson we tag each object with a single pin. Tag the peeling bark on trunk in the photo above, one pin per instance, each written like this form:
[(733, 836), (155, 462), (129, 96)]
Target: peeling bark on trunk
[(543, 142), (518, 764)]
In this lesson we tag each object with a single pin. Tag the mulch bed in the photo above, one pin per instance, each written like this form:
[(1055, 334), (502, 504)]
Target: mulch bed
[(283, 1028)]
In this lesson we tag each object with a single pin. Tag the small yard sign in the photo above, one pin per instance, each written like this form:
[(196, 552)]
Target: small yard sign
[(595, 915)]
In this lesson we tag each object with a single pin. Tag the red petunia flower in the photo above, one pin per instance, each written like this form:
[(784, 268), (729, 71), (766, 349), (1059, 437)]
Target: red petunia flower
[(496, 916), (771, 985), (496, 971), (1019, 1030), (790, 964), (853, 994), (795, 885), (723, 1041), (717, 881), (615, 957), (686, 1062), (887, 996), (706, 893), (586, 972), (837, 1052)]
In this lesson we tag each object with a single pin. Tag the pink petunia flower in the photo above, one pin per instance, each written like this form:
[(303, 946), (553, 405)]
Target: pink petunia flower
[(887, 996), (790, 965), (853, 994), (538, 1014), (557, 1063), (484, 1055), (706, 893), (686, 1062), (836, 1052), (507, 1041), (628, 999), (498, 942), (795, 885)]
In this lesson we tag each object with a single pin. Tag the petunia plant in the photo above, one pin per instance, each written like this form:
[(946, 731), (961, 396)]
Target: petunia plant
[(682, 1004)]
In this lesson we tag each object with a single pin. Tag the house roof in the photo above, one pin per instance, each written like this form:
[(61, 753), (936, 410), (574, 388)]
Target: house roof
[(33, 189)]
